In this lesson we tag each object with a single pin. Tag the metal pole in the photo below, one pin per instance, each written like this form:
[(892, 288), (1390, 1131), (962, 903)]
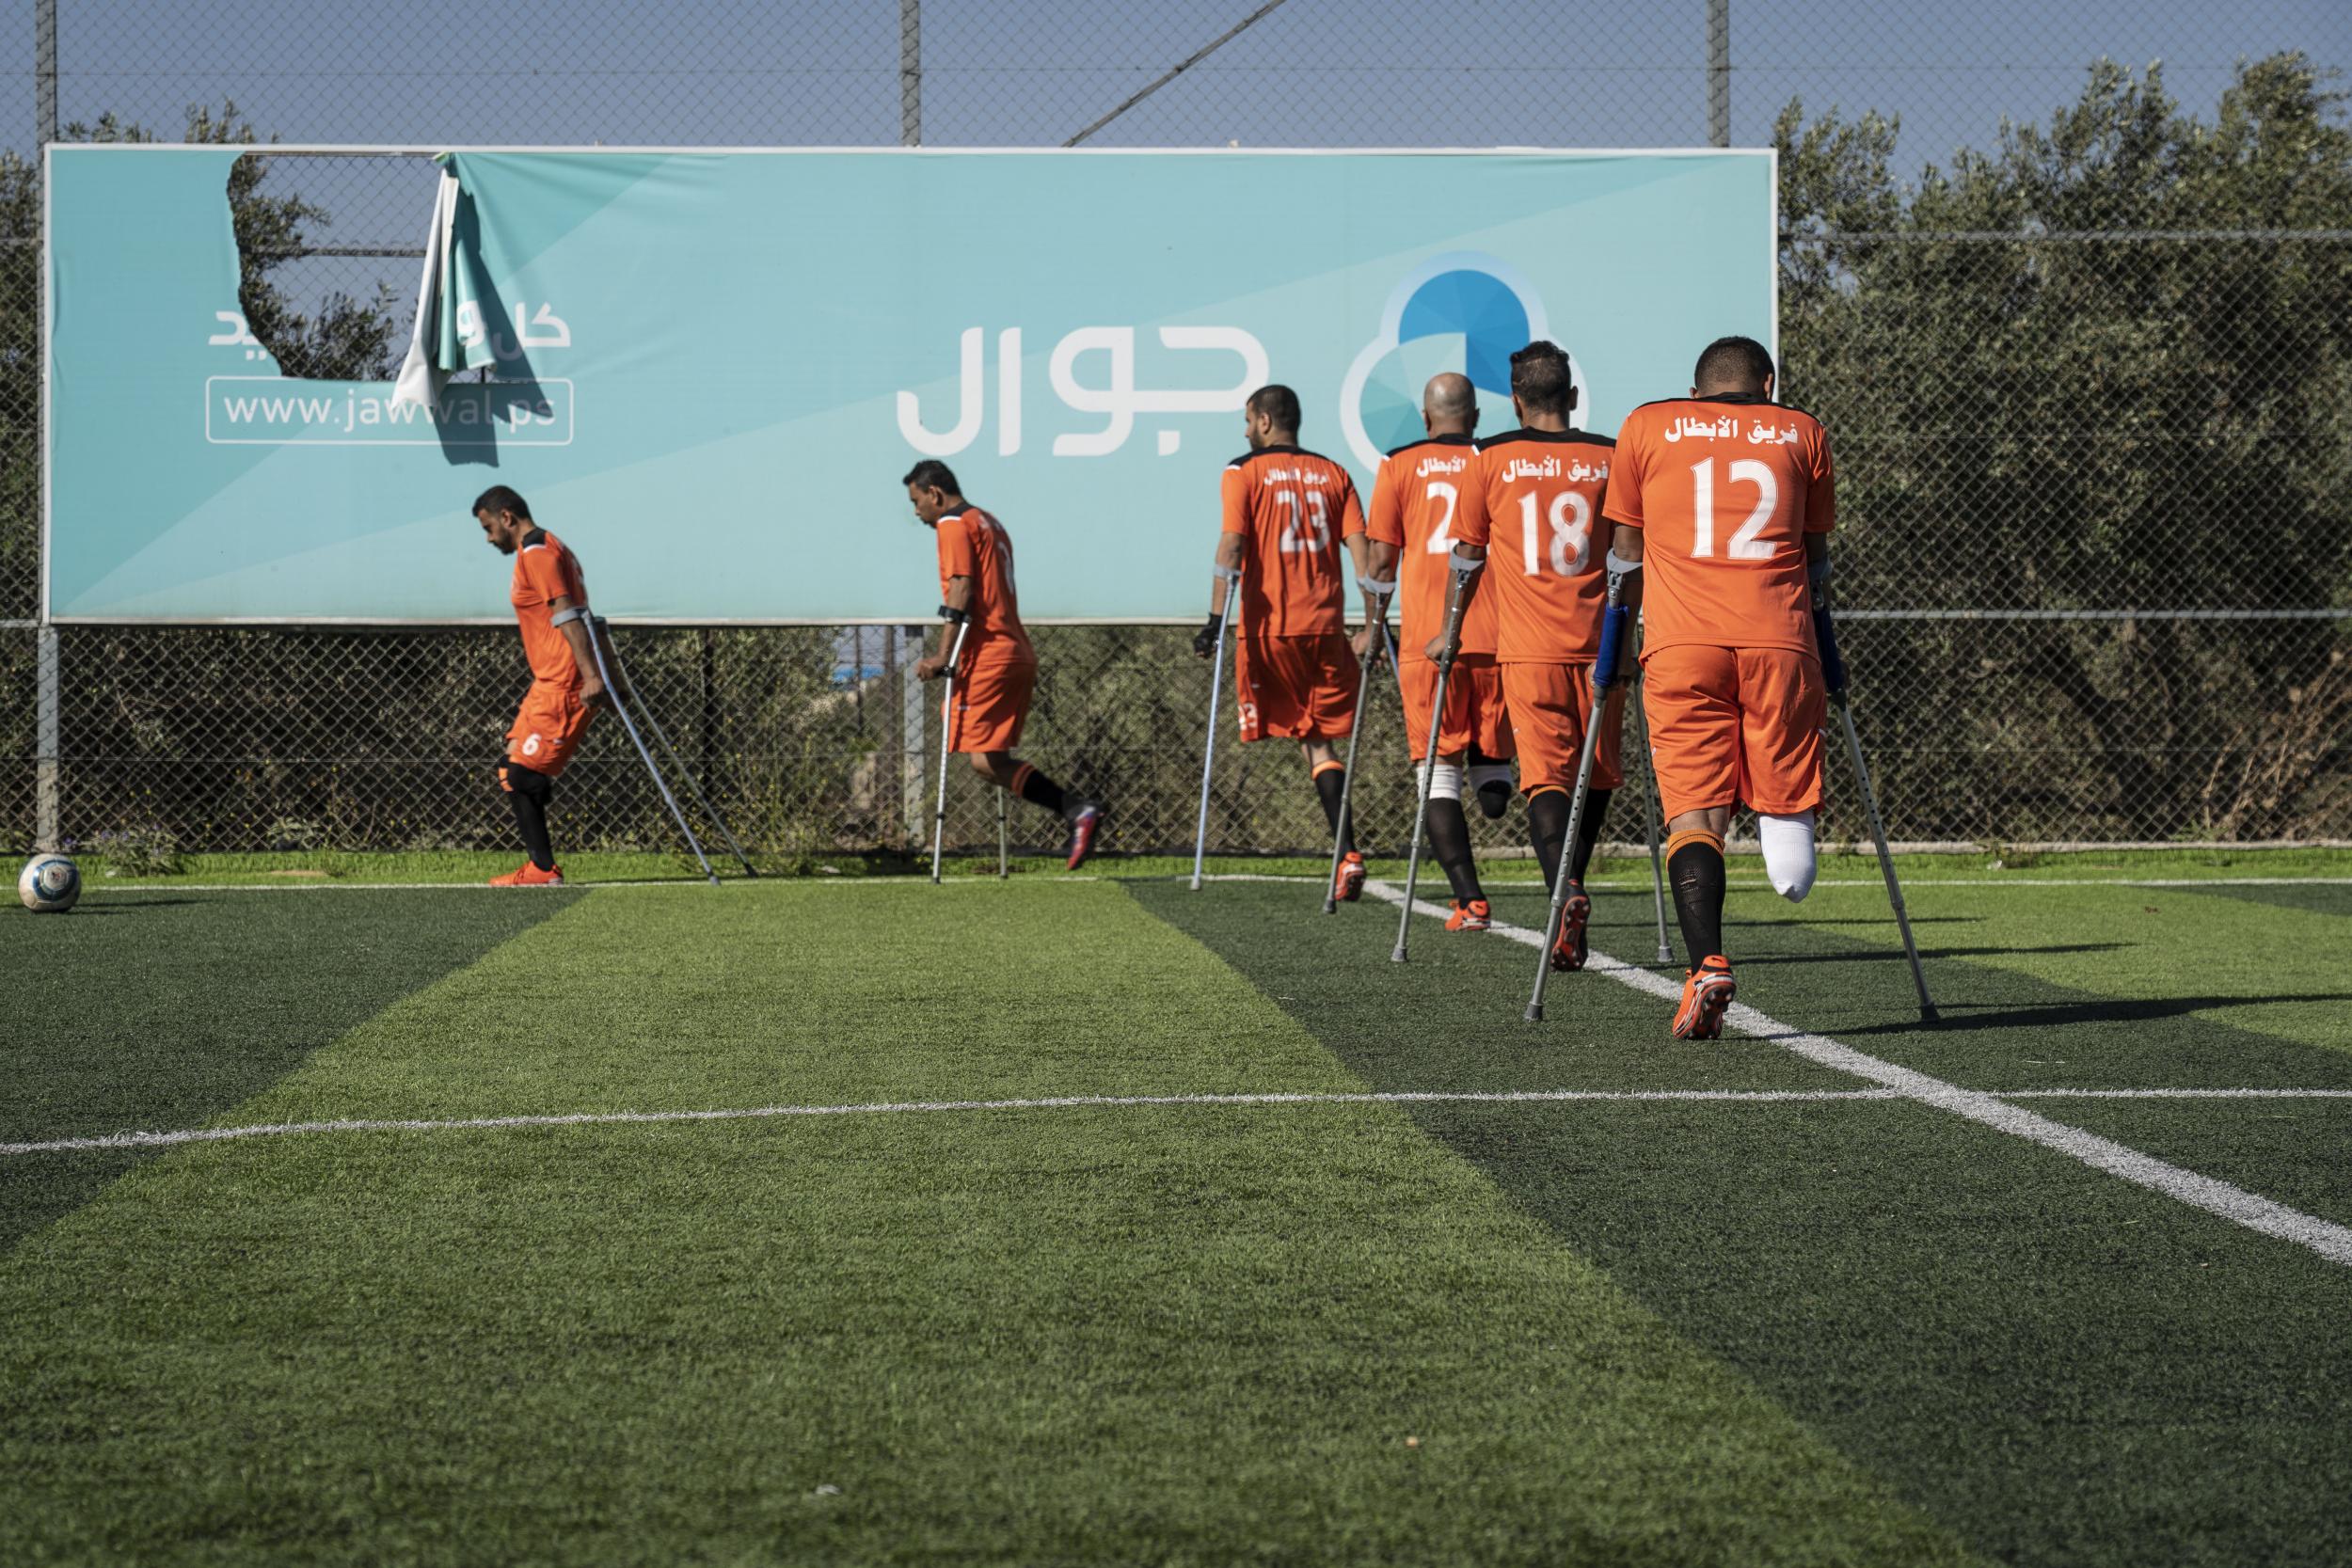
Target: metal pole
[(910, 72), (910, 738), (1003, 866), (46, 67), (1718, 72), (45, 835), (45, 666)]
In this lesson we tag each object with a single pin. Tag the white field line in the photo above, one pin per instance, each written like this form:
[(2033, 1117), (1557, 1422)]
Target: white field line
[(2236, 1204), (1101, 1101), (915, 1107), (101, 890)]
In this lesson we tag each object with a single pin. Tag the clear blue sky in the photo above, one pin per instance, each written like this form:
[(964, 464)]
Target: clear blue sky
[(1339, 72), (1024, 72)]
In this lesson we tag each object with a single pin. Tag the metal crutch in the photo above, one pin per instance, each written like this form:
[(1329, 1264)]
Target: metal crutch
[(1456, 603), (604, 673), (947, 744), (645, 711), (1231, 619), (1376, 597), (1651, 826), (1833, 676), (1613, 630)]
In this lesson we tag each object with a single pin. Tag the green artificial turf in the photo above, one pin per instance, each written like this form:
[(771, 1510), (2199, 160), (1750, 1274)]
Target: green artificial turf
[(2062, 1367), (1598, 1331), (1156, 1335)]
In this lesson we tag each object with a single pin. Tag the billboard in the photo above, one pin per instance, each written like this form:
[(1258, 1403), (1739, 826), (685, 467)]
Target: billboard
[(707, 371)]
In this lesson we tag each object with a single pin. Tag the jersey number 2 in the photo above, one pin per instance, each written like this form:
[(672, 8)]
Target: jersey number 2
[(1745, 543)]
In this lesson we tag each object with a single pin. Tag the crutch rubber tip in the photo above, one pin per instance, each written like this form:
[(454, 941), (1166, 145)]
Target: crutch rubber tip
[(1665, 955), (1929, 1015), (1397, 957), (1535, 1012), (1330, 906)]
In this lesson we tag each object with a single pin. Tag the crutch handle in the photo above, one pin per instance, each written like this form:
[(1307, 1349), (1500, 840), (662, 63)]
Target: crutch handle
[(1615, 622)]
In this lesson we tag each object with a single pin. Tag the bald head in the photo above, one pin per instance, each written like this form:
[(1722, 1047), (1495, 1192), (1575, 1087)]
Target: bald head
[(1449, 405)]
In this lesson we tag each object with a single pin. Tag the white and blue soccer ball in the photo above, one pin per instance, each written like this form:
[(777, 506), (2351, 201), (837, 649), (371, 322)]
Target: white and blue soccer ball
[(49, 884)]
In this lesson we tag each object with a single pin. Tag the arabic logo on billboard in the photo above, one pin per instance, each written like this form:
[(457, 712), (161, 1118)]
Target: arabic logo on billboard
[(1463, 312)]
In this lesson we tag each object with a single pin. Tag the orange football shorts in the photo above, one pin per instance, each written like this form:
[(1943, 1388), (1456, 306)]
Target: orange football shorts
[(992, 701), (1299, 688), (1474, 713), (1551, 704), (548, 729), (1735, 726)]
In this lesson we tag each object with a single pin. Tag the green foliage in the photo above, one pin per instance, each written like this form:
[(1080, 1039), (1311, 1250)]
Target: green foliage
[(2085, 369)]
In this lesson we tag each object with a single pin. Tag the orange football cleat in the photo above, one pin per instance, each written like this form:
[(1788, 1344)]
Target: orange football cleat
[(528, 875), (1472, 916), (1572, 947), (1707, 991), (1082, 830), (1349, 885)]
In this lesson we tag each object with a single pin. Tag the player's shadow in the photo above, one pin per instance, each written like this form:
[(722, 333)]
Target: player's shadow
[(1897, 953), (1867, 920), (1962, 1017)]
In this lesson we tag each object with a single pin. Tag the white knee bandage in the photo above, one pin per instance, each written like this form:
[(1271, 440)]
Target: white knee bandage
[(1445, 781), (1490, 773), (1788, 852)]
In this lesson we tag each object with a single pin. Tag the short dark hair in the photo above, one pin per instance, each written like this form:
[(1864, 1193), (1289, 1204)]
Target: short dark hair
[(1733, 364), (1279, 405), (931, 474), (504, 498), (1541, 380)]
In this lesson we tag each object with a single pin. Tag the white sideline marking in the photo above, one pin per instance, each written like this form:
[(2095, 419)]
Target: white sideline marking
[(1101, 1101), (100, 890), (908, 1107), (2236, 1204)]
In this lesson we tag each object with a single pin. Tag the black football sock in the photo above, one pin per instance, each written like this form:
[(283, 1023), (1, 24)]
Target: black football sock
[(531, 817), (1038, 790), (1449, 840), (1548, 828), (1695, 873), (1588, 833), (1494, 795), (1331, 785)]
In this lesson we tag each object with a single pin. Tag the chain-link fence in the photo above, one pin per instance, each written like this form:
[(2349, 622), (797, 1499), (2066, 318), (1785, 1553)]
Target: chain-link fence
[(2082, 332)]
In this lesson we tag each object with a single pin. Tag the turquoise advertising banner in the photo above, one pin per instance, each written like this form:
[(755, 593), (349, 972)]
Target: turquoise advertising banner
[(709, 370)]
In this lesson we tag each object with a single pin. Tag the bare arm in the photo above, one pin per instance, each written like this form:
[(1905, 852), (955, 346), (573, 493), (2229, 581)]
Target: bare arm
[(1230, 551), (959, 599), (576, 633)]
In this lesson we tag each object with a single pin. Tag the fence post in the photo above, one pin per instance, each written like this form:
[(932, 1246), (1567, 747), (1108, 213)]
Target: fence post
[(910, 72), (911, 741), (45, 832), (1718, 72), (46, 67)]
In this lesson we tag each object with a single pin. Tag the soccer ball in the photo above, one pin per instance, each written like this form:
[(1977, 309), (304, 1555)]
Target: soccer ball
[(49, 884)]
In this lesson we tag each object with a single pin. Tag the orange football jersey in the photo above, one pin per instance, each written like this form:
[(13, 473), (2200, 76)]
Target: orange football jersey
[(1292, 507), (974, 545), (1723, 489), (1415, 501), (1534, 499), (545, 571)]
